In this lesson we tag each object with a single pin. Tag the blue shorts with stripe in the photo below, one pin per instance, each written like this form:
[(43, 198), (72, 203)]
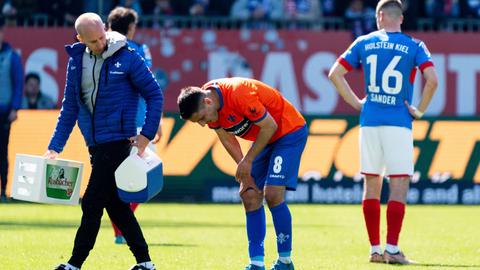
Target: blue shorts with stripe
[(278, 163)]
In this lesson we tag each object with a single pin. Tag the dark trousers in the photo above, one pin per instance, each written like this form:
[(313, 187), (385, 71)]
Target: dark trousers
[(4, 138), (102, 193)]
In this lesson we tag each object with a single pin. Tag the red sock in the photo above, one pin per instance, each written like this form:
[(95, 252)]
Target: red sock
[(134, 206), (395, 214), (116, 231), (371, 213)]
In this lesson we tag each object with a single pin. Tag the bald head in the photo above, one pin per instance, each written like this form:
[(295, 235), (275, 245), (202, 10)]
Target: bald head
[(91, 32), (88, 21)]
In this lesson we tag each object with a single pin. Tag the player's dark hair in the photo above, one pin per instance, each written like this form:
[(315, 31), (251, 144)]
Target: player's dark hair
[(120, 18), (390, 5), (32, 75), (189, 101)]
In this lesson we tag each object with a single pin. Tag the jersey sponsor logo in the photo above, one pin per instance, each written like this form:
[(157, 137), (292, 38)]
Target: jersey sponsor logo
[(117, 72), (241, 128), (278, 176)]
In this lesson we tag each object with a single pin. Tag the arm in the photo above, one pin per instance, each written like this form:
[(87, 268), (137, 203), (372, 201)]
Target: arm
[(158, 136), (147, 55), (231, 144), (17, 85), (431, 82), (144, 81), (68, 114), (337, 76), (268, 127)]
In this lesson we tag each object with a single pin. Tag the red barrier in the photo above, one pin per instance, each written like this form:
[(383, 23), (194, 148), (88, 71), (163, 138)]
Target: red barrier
[(296, 62)]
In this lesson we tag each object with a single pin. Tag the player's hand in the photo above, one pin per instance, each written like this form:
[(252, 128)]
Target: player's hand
[(360, 104), (12, 116), (50, 154), (244, 169), (414, 112), (158, 135), (141, 142), (248, 184), (243, 176)]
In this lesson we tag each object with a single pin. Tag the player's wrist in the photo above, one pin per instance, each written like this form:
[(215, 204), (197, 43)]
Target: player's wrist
[(418, 114)]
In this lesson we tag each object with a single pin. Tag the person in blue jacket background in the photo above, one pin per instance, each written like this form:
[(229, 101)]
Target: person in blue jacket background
[(105, 79), (124, 21), (11, 85)]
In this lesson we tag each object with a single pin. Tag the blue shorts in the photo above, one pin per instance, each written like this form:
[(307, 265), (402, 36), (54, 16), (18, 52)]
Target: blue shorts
[(278, 163)]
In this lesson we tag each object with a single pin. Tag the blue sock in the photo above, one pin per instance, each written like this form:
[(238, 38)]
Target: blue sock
[(282, 220), (256, 230)]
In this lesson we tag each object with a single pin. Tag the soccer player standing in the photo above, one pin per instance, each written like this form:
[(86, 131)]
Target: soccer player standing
[(389, 60), (257, 112)]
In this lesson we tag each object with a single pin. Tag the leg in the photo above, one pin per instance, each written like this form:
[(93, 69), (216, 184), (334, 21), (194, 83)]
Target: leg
[(372, 164), (282, 221), (399, 168), (282, 175), (254, 210), (93, 202), (256, 225), (396, 209), (4, 139), (371, 207), (117, 233), (122, 215)]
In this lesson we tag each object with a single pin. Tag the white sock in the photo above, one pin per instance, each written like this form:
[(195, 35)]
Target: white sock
[(71, 267), (285, 260), (258, 263), (391, 249), (148, 264), (376, 249)]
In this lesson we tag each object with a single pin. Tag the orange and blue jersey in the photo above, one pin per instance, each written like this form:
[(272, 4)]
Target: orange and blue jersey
[(244, 102)]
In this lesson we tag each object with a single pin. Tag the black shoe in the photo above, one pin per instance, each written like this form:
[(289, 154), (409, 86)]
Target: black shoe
[(3, 198)]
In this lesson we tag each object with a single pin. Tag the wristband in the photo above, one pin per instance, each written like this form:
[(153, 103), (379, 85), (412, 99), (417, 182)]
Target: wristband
[(418, 114)]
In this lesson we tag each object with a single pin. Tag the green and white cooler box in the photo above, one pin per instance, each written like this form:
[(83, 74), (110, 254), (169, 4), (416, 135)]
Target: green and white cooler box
[(42, 180)]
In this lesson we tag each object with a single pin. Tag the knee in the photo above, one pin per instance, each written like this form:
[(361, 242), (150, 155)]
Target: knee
[(251, 200), (274, 198)]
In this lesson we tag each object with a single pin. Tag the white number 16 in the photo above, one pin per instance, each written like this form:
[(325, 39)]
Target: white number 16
[(387, 73)]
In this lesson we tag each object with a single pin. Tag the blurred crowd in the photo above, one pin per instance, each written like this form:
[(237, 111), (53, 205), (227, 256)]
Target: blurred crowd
[(360, 13)]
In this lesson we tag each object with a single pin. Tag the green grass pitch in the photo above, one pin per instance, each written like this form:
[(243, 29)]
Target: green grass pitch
[(189, 237)]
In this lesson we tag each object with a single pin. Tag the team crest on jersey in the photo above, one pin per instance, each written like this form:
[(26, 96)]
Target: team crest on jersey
[(253, 111), (231, 118)]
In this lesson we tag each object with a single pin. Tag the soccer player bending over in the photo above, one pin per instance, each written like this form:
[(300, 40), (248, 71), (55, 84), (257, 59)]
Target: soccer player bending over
[(389, 60), (257, 112)]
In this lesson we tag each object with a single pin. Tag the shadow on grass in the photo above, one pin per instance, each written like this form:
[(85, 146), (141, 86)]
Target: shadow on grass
[(170, 245), (53, 224), (444, 265)]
